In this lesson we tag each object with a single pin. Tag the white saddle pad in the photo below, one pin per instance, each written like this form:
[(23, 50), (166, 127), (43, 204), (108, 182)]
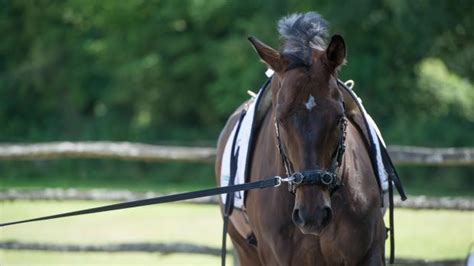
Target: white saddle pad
[(240, 153)]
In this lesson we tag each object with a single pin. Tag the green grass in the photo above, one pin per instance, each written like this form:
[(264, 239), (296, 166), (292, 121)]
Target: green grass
[(420, 234), (433, 234), (166, 223), (163, 223)]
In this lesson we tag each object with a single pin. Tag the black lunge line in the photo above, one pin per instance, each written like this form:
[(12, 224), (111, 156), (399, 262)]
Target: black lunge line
[(271, 182)]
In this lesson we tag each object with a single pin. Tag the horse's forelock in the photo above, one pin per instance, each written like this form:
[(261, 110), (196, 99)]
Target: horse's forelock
[(301, 32)]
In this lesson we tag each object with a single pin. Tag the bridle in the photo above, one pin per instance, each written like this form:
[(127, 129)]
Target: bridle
[(325, 178)]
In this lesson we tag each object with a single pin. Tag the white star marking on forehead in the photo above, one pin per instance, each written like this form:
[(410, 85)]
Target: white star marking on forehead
[(310, 103)]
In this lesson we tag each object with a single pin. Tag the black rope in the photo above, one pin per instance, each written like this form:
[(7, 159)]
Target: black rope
[(271, 182)]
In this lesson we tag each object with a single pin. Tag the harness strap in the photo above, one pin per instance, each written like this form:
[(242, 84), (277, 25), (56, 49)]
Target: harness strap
[(341, 148), (391, 220), (315, 177), (284, 158), (229, 201), (225, 229), (392, 180), (393, 172)]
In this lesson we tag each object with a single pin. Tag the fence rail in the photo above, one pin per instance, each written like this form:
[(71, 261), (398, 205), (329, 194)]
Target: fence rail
[(413, 202), (105, 150), (145, 152), (119, 247)]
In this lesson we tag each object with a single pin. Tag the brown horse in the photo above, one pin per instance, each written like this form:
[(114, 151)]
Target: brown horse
[(318, 224)]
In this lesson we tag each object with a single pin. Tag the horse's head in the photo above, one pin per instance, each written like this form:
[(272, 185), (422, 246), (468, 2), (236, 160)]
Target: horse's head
[(308, 110)]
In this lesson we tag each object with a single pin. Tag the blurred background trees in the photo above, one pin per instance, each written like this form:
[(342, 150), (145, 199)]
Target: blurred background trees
[(173, 71)]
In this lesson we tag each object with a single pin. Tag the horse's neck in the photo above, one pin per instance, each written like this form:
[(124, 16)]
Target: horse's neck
[(356, 170)]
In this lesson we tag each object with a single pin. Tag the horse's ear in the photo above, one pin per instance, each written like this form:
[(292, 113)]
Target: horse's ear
[(271, 57), (336, 52)]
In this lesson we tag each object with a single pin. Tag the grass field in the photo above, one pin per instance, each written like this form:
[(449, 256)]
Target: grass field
[(420, 234)]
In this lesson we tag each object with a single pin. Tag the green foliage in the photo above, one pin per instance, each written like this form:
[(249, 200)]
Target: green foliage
[(171, 71), (135, 70), (445, 91)]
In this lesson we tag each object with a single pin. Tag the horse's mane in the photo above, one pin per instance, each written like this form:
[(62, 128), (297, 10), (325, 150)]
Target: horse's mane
[(301, 32)]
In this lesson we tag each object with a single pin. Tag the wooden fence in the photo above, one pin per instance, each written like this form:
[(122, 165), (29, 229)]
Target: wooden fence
[(154, 153), (401, 155)]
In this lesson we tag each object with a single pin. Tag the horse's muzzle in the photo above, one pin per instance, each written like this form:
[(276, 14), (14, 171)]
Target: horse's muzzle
[(312, 223)]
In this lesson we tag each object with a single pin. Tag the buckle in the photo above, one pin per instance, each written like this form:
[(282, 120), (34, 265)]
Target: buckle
[(298, 178), (278, 181), (327, 178)]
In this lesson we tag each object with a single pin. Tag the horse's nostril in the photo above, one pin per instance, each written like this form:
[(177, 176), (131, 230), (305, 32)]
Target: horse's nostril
[(297, 219), (326, 216)]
